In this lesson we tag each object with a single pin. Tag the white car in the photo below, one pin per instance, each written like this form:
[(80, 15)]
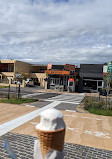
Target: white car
[(29, 82), (16, 82)]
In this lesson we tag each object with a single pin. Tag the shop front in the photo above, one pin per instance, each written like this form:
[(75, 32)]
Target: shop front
[(60, 79)]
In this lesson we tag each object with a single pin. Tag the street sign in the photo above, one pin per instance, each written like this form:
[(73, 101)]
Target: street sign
[(71, 79), (109, 69), (49, 66), (18, 75)]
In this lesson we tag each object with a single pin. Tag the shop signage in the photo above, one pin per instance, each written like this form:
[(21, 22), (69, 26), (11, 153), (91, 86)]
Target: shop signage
[(49, 66), (109, 67), (69, 67), (18, 75), (58, 72), (71, 79)]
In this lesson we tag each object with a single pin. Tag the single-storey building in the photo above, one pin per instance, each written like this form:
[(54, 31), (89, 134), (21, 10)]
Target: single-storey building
[(90, 77)]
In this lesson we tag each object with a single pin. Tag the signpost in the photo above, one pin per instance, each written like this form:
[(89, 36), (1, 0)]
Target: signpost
[(109, 71), (108, 80)]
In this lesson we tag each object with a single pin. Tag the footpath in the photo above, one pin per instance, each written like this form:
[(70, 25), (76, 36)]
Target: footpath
[(88, 136)]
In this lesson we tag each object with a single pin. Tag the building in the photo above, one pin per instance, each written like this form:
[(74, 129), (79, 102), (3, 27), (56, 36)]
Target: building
[(90, 77), (61, 77), (12, 69)]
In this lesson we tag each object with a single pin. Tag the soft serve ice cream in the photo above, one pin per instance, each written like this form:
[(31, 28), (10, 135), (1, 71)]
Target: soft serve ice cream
[(51, 119), (51, 132)]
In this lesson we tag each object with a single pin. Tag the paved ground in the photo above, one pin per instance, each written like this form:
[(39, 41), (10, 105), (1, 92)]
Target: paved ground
[(23, 148), (38, 104), (67, 101), (68, 98), (66, 106), (40, 95), (82, 129)]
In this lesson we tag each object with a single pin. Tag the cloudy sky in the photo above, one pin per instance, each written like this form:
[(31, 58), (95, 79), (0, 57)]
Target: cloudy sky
[(57, 31)]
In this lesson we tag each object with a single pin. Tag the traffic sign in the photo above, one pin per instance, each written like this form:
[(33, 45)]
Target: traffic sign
[(109, 69), (18, 75)]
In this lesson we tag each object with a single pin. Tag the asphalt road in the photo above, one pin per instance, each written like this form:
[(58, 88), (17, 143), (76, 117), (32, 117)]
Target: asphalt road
[(67, 101)]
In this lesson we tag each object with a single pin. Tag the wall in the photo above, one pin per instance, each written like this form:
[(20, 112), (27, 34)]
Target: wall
[(34, 69), (40, 76), (21, 67), (8, 74), (38, 68), (7, 61)]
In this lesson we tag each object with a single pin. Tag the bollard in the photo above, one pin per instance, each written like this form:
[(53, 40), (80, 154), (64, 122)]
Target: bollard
[(19, 91), (9, 92)]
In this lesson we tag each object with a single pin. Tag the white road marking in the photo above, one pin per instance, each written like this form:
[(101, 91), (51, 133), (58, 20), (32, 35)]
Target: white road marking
[(73, 129), (94, 133), (79, 116), (8, 126), (34, 123), (29, 105), (70, 110), (49, 100), (68, 98), (91, 118), (70, 115), (31, 95), (98, 134)]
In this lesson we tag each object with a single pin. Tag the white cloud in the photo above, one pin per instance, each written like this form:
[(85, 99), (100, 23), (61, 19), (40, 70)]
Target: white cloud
[(56, 31)]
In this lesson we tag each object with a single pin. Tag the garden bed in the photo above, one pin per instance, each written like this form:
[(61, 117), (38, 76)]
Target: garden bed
[(100, 107), (17, 101)]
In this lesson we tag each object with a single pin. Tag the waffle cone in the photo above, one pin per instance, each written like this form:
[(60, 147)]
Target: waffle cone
[(51, 140)]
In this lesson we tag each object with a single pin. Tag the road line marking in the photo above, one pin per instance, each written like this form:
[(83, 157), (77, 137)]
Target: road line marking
[(29, 105), (8, 126), (70, 110), (47, 100), (31, 95)]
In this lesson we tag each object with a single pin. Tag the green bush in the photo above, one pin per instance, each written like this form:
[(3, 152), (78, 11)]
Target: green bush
[(91, 102), (105, 112), (96, 106)]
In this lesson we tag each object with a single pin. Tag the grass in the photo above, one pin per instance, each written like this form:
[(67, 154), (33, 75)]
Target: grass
[(105, 112), (95, 106), (3, 86), (17, 101)]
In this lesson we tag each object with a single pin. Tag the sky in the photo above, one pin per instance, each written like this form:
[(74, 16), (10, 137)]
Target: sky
[(56, 31)]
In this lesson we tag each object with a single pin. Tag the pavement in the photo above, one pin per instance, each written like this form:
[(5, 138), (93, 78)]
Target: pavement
[(87, 135), (23, 147)]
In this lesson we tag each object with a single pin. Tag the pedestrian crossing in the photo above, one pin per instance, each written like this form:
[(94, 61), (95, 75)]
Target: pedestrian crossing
[(68, 98), (32, 95)]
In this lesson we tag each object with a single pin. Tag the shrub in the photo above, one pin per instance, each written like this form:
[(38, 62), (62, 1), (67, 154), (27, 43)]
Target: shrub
[(93, 105), (91, 102)]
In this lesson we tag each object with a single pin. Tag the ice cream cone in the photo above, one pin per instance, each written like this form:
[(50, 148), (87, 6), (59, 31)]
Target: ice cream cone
[(51, 140)]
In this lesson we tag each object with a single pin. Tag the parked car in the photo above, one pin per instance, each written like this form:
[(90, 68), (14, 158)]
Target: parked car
[(29, 82), (16, 82)]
